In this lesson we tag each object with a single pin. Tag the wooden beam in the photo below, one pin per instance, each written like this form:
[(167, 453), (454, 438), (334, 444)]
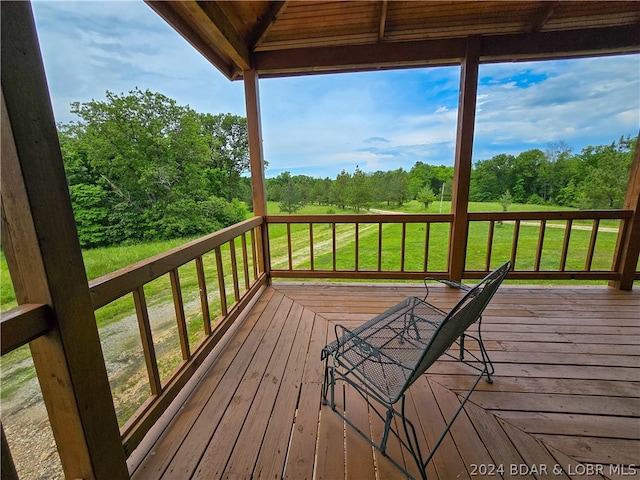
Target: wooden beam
[(46, 263), (513, 47), (266, 22), (226, 36), (383, 20), (173, 18), (566, 44), (542, 16), (23, 324), (256, 158), (628, 246), (256, 155), (462, 163), (358, 57)]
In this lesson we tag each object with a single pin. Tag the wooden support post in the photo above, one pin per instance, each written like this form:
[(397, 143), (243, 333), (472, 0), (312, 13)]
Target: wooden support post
[(256, 157), (628, 246), (41, 244), (464, 149)]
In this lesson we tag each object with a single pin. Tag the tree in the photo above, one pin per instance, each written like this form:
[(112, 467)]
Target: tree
[(359, 192), (142, 158), (398, 185), (505, 200), (340, 189), (292, 196), (228, 141), (606, 174), (426, 196), (491, 177)]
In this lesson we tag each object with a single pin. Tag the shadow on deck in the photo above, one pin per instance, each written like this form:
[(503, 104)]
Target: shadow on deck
[(566, 396)]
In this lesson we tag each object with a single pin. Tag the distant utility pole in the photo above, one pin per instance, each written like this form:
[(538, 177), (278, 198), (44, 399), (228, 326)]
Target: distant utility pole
[(441, 197)]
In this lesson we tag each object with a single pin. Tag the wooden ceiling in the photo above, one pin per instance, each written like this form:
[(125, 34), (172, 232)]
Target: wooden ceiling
[(295, 37)]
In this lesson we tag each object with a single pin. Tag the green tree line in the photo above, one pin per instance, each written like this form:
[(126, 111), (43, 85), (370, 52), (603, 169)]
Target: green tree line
[(140, 167), (595, 178)]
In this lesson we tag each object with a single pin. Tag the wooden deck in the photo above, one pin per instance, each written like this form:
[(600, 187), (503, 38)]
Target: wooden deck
[(566, 392)]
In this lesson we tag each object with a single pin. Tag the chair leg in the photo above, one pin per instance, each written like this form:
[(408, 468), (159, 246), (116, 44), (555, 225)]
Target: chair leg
[(412, 441), (385, 433), (328, 385)]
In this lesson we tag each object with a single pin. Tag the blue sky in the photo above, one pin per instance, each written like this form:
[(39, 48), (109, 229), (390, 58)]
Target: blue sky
[(319, 125)]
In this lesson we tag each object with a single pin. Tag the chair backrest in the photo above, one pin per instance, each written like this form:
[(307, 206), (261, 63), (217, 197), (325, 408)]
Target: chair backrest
[(467, 311)]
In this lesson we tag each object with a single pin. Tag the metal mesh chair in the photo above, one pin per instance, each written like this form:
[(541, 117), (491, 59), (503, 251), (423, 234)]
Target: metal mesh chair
[(383, 357)]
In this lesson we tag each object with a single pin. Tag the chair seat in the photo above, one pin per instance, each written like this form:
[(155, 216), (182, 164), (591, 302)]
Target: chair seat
[(385, 351)]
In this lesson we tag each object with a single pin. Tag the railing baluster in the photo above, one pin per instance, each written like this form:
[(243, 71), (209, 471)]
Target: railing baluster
[(254, 261), (179, 306), (565, 245), (289, 246), (333, 245), (221, 287), (204, 301), (245, 260), (543, 226), (592, 244), (311, 252), (403, 247), (234, 269), (380, 246), (514, 245), (427, 229), (357, 247), (148, 348), (487, 265)]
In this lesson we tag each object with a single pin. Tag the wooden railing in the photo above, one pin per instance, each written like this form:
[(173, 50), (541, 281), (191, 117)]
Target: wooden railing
[(329, 246), (358, 246), (237, 278), (240, 246), (409, 246)]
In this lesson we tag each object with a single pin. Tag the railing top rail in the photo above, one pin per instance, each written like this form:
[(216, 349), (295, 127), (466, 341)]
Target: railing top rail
[(114, 285), (362, 218), (552, 215), (22, 324)]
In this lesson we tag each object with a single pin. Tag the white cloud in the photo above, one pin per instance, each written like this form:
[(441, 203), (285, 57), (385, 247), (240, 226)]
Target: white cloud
[(324, 123)]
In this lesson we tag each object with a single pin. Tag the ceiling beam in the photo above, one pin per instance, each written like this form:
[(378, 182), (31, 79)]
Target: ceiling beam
[(358, 57), (513, 47), (225, 35), (564, 44), (542, 16), (266, 22), (383, 20)]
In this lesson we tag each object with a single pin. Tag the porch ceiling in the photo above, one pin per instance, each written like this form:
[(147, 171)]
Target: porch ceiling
[(281, 38)]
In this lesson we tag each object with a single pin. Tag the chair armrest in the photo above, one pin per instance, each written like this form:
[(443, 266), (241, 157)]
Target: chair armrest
[(352, 340)]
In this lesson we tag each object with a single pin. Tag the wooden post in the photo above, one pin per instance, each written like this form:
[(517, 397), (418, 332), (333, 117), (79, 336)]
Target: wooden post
[(41, 243), (464, 149), (256, 157), (628, 246)]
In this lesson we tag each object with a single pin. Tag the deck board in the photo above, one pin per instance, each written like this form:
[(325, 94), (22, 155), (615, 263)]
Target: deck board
[(566, 391)]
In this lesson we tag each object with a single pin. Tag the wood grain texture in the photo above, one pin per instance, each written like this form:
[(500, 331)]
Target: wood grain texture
[(559, 396)]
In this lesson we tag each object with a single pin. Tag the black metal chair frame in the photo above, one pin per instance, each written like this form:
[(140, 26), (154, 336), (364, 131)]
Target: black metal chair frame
[(383, 357)]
